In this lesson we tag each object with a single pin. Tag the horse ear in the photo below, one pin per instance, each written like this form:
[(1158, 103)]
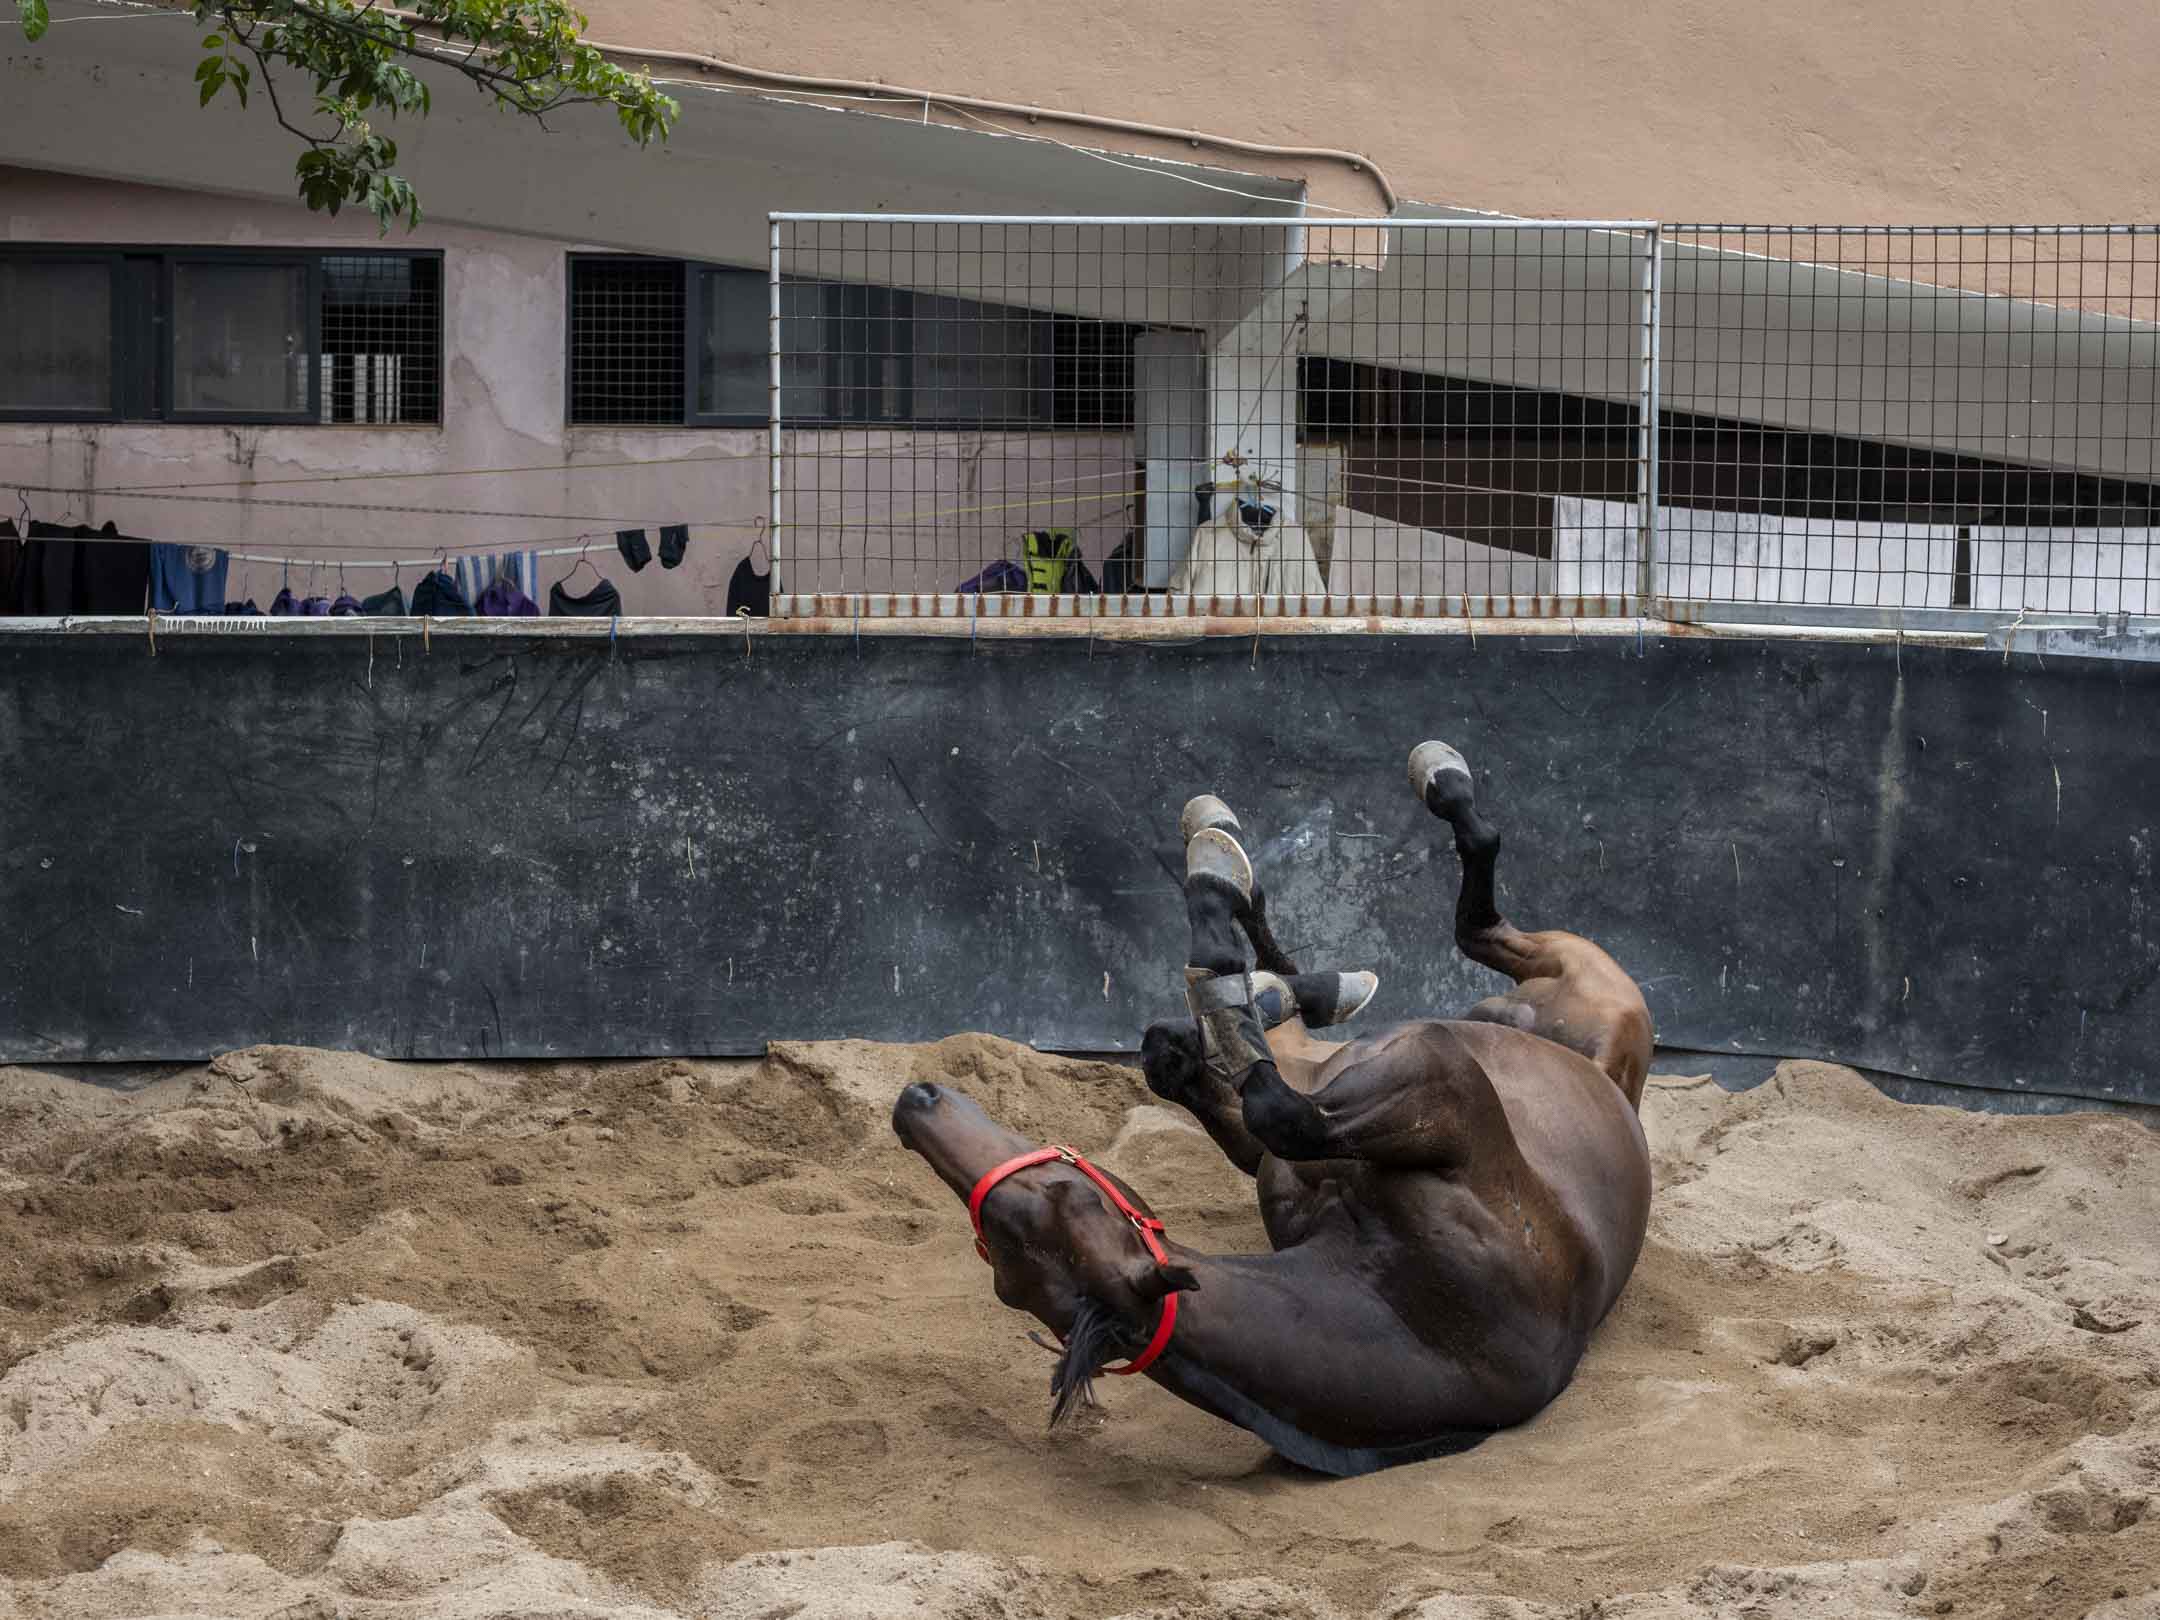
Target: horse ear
[(1159, 1280)]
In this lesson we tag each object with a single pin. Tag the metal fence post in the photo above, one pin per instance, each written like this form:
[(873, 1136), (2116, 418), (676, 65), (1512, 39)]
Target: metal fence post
[(1653, 320), (772, 452)]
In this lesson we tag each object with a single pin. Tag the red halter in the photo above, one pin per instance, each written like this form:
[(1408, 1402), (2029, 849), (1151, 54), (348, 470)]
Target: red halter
[(1146, 1225)]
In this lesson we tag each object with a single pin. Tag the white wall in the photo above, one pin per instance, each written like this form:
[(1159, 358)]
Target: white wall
[(2066, 570), (1754, 557)]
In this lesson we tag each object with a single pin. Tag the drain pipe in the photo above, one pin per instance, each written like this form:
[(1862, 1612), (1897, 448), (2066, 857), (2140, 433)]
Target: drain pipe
[(813, 84)]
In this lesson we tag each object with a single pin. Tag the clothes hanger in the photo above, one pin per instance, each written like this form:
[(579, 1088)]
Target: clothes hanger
[(757, 544), (584, 560)]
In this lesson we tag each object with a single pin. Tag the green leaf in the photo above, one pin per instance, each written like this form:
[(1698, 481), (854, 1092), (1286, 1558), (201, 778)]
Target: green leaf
[(213, 42), (36, 17)]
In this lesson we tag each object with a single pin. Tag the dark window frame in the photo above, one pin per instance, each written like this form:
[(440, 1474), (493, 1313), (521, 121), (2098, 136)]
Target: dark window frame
[(115, 272), (899, 314), (141, 356)]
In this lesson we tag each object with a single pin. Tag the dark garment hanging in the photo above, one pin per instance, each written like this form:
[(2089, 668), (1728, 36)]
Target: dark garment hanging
[(635, 552), (503, 600), (285, 605), (347, 606), (389, 604), (186, 579), (438, 597), (11, 550), (1121, 571), (603, 601), (79, 569), (244, 610), (315, 607), (674, 541), (747, 588)]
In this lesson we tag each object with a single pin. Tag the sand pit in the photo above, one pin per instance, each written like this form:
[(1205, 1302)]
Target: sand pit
[(300, 1334)]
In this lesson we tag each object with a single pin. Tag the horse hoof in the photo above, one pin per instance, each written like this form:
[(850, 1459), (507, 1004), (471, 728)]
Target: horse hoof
[(1331, 998), (1431, 761), (1205, 810), (1212, 853), (1353, 994)]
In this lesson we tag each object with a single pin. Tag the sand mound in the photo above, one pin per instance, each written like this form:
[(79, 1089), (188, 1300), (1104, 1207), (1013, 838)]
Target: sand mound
[(305, 1335)]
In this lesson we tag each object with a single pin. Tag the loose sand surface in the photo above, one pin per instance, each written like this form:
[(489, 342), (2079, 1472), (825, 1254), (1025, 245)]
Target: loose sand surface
[(302, 1334)]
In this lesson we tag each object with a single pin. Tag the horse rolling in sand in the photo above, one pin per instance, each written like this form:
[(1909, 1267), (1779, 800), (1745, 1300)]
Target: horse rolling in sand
[(1454, 1204)]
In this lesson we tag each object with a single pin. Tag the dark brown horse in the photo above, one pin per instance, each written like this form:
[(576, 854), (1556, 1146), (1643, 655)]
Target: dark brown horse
[(1454, 1204)]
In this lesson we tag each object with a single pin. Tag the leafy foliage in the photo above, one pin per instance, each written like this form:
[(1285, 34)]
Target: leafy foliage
[(360, 61)]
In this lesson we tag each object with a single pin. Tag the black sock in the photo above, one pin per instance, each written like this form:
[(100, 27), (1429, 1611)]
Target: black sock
[(635, 552), (674, 541)]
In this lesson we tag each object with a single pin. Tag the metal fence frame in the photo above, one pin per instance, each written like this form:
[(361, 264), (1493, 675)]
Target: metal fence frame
[(1655, 241)]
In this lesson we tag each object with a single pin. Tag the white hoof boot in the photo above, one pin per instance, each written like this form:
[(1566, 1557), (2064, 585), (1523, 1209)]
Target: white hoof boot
[(1429, 761), (1213, 853), (1206, 810)]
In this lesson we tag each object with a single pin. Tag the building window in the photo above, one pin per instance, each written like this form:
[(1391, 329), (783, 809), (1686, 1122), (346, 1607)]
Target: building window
[(626, 341), (381, 342), (658, 342), (239, 339), (215, 335), (56, 336)]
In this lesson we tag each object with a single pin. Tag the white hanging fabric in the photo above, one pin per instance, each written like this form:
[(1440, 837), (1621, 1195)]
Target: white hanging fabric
[(1231, 557)]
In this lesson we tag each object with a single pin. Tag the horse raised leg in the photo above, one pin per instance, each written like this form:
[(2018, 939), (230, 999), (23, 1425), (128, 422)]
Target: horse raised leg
[(1567, 989), (1416, 1098), (1171, 1053)]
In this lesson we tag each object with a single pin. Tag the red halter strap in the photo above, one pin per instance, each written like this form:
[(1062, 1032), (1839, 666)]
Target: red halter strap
[(1147, 1226)]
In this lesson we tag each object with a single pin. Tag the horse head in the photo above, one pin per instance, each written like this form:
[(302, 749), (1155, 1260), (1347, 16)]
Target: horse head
[(1058, 1244)]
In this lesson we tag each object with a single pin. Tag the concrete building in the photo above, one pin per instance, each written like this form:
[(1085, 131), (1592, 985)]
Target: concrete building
[(575, 340)]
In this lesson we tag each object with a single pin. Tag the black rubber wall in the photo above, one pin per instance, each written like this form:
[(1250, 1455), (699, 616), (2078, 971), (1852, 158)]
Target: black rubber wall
[(1924, 861)]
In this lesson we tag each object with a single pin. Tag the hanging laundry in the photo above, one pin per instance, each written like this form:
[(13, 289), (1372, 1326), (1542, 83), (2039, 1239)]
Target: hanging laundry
[(603, 601), (347, 606), (11, 550), (388, 604), (999, 576), (1248, 550), (285, 605), (635, 552), (78, 569), (1121, 570), (748, 590), (187, 579), (1052, 561), (437, 596), (503, 600), (243, 610), (674, 541)]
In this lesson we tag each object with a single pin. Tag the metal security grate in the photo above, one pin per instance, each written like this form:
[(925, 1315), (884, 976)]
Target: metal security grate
[(1936, 426), (381, 339), (626, 342), (1206, 415), (1928, 421)]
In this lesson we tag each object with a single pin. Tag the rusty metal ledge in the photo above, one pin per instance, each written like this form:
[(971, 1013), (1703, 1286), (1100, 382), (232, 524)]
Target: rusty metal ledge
[(1164, 628)]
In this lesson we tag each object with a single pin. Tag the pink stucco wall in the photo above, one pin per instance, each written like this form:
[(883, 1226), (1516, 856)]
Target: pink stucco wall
[(503, 445)]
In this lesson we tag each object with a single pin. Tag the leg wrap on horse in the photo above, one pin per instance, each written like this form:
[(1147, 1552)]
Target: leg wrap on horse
[(1227, 1007)]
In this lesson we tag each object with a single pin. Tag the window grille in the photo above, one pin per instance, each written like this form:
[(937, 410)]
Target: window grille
[(626, 342), (381, 348)]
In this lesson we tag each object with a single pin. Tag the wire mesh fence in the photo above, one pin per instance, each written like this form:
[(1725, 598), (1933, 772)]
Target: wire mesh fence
[(1137, 416), (1042, 416)]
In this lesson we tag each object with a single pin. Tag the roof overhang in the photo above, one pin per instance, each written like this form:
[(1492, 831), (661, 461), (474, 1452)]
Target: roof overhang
[(109, 93)]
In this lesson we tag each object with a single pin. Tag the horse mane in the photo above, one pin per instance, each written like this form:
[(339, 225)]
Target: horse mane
[(1096, 1336)]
